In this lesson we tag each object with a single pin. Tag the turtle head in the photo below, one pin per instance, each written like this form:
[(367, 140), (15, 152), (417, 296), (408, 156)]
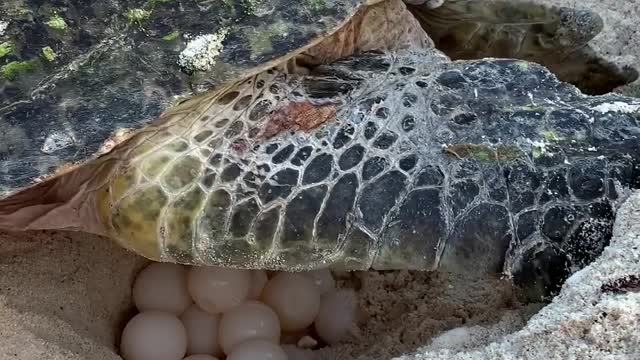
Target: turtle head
[(556, 37)]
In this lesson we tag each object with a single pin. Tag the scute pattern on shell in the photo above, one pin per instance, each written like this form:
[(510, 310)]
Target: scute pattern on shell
[(495, 165)]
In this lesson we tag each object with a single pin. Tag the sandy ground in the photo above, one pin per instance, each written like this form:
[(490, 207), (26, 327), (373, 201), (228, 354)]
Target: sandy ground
[(67, 296)]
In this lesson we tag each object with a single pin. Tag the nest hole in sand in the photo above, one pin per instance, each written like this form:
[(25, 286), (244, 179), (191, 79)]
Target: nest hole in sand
[(73, 292)]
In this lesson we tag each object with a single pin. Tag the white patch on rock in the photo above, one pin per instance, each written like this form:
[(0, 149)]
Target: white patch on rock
[(541, 145), (617, 106), (56, 141), (530, 95), (3, 26), (200, 53)]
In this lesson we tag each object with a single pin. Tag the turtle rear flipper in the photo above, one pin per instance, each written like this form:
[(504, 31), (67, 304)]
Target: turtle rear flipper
[(556, 37), (64, 201)]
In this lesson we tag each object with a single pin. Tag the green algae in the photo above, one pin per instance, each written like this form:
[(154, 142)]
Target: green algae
[(250, 6), (56, 22), (316, 4), (537, 151), (6, 48), (14, 68), (49, 54), (137, 15), (484, 152), (260, 40), (509, 152), (550, 135), (171, 36)]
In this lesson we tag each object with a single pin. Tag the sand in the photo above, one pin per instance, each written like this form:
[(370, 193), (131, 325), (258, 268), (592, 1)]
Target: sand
[(67, 295)]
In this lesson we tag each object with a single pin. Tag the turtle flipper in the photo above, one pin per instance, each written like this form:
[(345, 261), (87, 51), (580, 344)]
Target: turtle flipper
[(540, 269), (556, 37), (64, 201)]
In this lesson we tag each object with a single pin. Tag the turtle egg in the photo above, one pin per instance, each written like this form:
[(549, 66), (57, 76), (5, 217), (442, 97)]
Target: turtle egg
[(202, 331), (294, 297), (217, 290), (251, 320), (257, 350), (200, 357), (162, 287), (323, 279), (336, 318), (154, 335), (258, 281)]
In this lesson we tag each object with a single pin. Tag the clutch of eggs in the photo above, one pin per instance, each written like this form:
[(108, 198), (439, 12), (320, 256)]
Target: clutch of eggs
[(211, 313)]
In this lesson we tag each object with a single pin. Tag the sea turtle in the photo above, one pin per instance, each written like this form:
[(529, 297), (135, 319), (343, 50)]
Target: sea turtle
[(314, 133)]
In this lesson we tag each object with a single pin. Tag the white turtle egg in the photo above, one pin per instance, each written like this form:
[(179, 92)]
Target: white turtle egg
[(323, 279), (295, 298), (216, 289), (200, 357), (202, 331), (154, 335), (336, 318), (162, 287), (257, 350), (258, 281), (251, 320)]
